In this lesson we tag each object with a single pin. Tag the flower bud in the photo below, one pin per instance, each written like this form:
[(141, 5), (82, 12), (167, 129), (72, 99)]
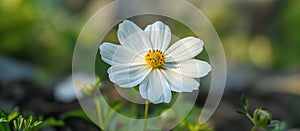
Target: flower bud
[(263, 116)]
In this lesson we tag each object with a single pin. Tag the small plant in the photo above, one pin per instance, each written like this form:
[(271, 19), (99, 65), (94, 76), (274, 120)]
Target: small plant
[(19, 122), (262, 118), (23, 124), (185, 125), (14, 121)]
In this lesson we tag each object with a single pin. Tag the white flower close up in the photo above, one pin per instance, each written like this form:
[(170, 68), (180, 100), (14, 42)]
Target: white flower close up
[(146, 58)]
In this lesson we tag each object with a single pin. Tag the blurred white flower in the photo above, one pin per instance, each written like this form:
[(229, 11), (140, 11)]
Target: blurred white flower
[(145, 58), (65, 90)]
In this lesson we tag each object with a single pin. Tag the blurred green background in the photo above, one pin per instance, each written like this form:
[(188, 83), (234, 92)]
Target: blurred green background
[(260, 38)]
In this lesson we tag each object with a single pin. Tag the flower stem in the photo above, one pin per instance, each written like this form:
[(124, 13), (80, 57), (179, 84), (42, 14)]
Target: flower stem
[(254, 128), (99, 112), (146, 114), (250, 118)]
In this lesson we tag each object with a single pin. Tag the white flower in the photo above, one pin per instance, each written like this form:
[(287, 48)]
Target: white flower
[(144, 58)]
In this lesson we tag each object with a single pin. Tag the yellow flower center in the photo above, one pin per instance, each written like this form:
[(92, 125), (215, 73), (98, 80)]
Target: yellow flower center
[(155, 58)]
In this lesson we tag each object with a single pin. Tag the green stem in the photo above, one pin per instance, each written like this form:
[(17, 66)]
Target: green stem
[(254, 128), (250, 118), (99, 112), (146, 114)]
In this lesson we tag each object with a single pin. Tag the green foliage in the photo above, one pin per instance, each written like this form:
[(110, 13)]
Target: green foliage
[(191, 122), (245, 102), (15, 113), (184, 125), (23, 124), (91, 89), (4, 123), (262, 118), (105, 116), (19, 122), (285, 31), (30, 123), (30, 28), (199, 127), (52, 122)]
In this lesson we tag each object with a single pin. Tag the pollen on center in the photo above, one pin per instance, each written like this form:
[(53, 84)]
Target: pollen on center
[(155, 58)]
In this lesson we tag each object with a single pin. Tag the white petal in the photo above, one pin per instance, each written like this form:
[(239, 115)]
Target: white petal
[(165, 97), (128, 76), (107, 51), (115, 54), (155, 88), (180, 83), (190, 68), (133, 37), (160, 35), (184, 49)]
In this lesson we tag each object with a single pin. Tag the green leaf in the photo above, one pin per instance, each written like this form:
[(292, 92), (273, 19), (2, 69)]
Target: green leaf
[(255, 116), (242, 113), (245, 102), (3, 120), (75, 114), (52, 122), (117, 105), (264, 124), (265, 109), (13, 115), (2, 114), (20, 122), (15, 125), (274, 124), (108, 114), (4, 125), (36, 123), (26, 124)]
